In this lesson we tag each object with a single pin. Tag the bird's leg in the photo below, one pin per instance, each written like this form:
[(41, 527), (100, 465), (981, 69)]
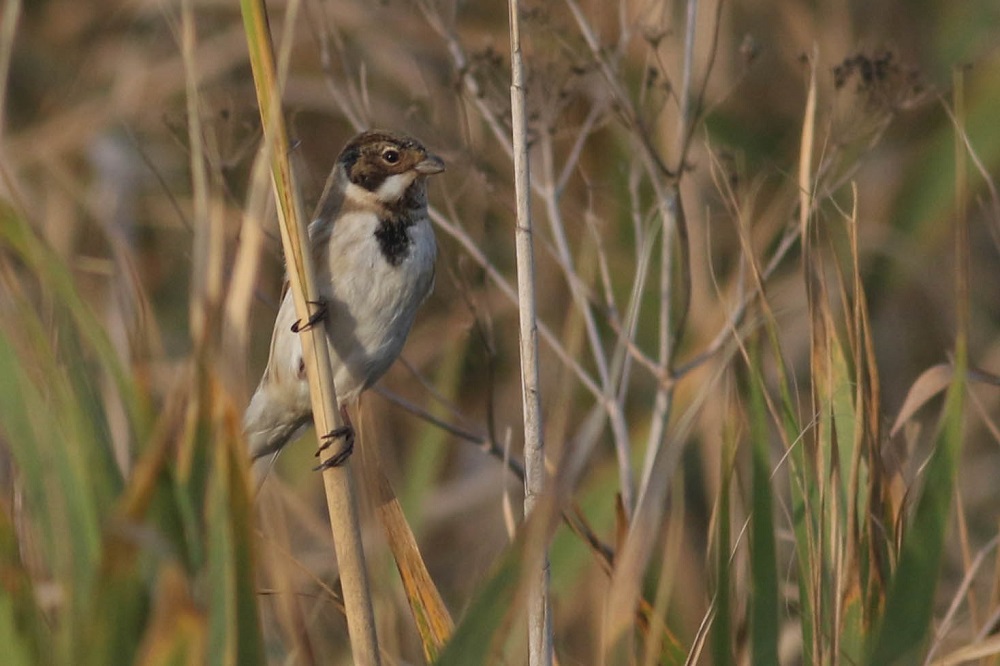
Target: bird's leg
[(314, 318), (345, 432)]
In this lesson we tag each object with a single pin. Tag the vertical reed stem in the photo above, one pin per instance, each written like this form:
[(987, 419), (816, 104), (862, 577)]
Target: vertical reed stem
[(539, 620)]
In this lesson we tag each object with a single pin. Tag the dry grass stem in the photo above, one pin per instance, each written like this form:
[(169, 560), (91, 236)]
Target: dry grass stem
[(535, 475), (338, 481)]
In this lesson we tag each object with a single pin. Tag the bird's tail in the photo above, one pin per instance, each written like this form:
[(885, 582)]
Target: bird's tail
[(270, 422)]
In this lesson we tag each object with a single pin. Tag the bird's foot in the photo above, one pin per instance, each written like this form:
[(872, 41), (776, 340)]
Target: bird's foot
[(314, 318), (345, 432)]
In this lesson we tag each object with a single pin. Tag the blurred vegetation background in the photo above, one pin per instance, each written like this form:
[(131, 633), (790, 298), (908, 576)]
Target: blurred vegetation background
[(121, 456)]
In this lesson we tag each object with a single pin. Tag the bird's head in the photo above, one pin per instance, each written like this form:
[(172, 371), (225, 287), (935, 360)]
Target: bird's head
[(384, 166)]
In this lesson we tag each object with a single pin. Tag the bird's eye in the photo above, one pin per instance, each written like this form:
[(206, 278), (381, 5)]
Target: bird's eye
[(391, 156)]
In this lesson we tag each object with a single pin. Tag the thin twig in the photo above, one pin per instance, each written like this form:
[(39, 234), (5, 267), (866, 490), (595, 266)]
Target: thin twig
[(619, 430), (458, 233), (573, 516), (347, 103)]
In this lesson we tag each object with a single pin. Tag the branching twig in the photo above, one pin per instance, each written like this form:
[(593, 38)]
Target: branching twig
[(619, 429), (476, 254)]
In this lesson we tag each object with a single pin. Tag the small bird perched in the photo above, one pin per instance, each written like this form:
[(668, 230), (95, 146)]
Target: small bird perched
[(374, 252)]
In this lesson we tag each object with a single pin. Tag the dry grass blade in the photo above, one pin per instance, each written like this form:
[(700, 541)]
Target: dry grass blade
[(430, 615), (984, 649), (929, 384), (176, 633), (960, 594)]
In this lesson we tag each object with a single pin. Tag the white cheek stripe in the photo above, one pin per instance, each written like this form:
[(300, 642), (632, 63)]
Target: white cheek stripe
[(393, 187), (390, 191), (358, 194)]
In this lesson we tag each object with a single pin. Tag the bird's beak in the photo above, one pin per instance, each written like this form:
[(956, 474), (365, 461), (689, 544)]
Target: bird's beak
[(430, 165)]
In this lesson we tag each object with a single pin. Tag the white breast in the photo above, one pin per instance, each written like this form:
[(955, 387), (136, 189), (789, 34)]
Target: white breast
[(372, 304)]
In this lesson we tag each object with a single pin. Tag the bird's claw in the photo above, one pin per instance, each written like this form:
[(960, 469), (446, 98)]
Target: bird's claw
[(344, 432), (314, 318)]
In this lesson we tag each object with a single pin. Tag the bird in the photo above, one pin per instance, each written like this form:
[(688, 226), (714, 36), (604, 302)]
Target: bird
[(374, 253)]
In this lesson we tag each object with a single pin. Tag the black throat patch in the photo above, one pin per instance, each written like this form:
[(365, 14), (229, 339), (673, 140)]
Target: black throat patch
[(393, 234), (393, 231)]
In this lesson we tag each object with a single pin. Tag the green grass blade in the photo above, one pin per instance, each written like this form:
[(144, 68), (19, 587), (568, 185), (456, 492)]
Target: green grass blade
[(17, 648), (911, 594), (234, 634), (59, 283), (36, 423), (910, 603), (722, 648), (23, 630), (478, 638), (763, 556)]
